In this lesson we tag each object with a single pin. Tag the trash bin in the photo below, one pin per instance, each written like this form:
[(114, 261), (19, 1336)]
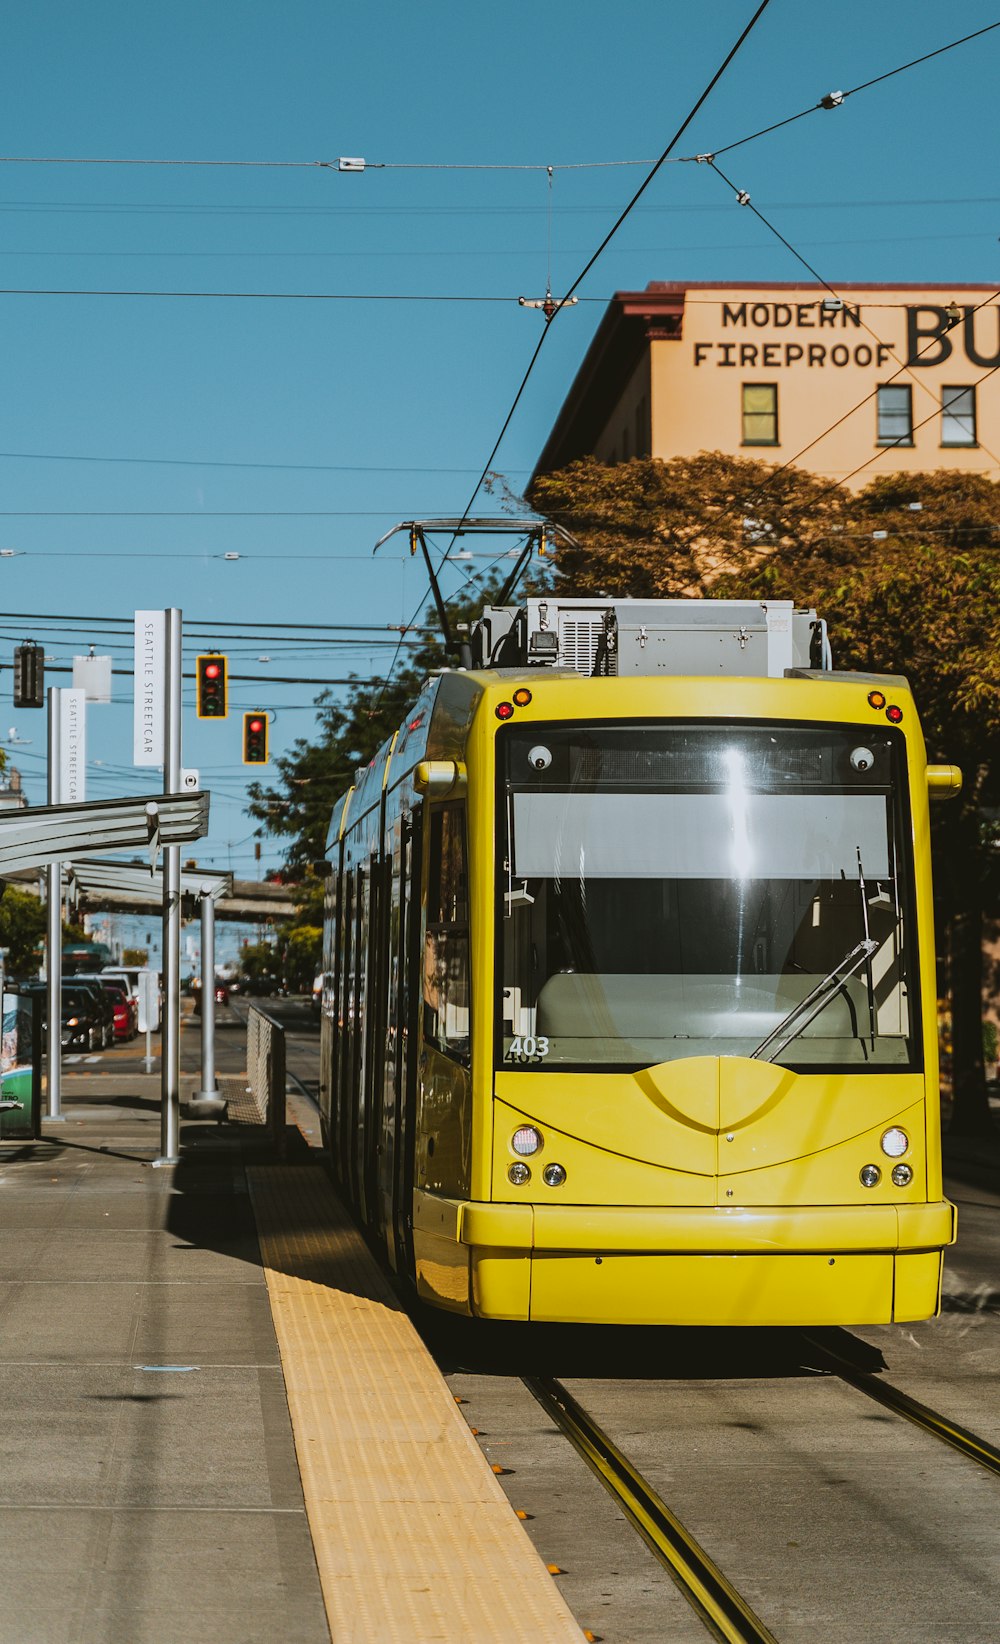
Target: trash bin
[(21, 1065)]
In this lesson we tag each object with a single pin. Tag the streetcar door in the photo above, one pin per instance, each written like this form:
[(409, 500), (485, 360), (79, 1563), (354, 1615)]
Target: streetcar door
[(403, 1030), (343, 1003), (374, 1073), (353, 1138)]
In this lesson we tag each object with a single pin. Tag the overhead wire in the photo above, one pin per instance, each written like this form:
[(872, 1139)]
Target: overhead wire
[(266, 296), (209, 462), (208, 624), (745, 200), (562, 302), (353, 166)]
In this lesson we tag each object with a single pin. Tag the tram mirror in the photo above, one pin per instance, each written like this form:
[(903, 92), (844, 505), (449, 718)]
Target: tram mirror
[(322, 869), (944, 781), (440, 778)]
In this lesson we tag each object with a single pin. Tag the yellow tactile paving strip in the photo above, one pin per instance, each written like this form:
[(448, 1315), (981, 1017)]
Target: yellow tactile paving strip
[(414, 1538)]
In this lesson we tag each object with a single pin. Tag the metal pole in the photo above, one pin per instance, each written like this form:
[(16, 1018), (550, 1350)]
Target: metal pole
[(53, 942), (170, 1058), (208, 1103)]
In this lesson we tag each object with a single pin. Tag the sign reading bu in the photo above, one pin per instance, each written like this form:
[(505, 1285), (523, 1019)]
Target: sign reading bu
[(929, 325), (150, 678)]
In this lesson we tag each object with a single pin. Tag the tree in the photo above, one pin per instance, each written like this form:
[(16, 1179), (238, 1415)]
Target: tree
[(22, 931), (258, 960), (666, 530), (302, 947), (907, 574), (135, 956)]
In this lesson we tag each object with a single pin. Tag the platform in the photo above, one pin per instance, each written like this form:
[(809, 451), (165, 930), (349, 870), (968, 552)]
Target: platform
[(200, 1446)]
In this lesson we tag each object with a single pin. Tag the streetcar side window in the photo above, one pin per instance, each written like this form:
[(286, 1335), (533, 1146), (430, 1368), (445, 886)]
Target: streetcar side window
[(445, 970)]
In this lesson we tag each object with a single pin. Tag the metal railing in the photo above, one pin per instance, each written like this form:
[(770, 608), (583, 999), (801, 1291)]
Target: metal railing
[(266, 1073)]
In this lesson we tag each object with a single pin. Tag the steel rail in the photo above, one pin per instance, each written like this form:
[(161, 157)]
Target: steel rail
[(715, 1600), (901, 1404)]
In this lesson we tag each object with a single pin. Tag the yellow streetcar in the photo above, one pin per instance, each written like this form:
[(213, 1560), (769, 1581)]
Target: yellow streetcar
[(629, 995)]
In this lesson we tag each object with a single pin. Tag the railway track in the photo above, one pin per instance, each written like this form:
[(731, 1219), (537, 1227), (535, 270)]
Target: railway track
[(714, 1599), (722, 1609), (901, 1404)]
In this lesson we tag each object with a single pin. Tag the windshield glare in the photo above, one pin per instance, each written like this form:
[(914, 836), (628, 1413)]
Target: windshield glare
[(677, 890)]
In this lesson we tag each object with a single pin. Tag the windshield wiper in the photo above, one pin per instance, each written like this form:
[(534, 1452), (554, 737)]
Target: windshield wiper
[(808, 1009)]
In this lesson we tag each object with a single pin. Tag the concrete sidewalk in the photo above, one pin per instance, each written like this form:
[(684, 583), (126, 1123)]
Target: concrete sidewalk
[(149, 1492)]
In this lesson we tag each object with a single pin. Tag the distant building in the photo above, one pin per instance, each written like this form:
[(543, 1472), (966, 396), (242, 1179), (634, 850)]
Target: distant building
[(12, 795), (769, 370)]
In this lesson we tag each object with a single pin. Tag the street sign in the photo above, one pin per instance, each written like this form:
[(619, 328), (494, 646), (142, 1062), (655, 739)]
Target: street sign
[(150, 684), (149, 1001), (92, 674), (71, 749)]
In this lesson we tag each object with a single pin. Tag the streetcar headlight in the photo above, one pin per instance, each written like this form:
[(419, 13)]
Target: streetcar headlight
[(526, 1140), (518, 1173), (895, 1142), (553, 1175), (902, 1175), (870, 1175)]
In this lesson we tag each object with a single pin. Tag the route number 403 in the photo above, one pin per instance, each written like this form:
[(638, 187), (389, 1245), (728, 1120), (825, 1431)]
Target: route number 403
[(524, 1049)]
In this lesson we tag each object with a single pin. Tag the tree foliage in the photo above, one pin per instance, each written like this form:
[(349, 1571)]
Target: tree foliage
[(666, 530), (22, 931)]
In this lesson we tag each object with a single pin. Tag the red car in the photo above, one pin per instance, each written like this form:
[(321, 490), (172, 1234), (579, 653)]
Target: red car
[(126, 1011)]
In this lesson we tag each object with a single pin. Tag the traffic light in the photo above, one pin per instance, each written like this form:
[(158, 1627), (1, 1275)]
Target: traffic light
[(29, 675), (213, 700), (255, 738)]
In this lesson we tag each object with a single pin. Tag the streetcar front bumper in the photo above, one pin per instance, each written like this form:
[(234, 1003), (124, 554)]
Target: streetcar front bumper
[(705, 1265)]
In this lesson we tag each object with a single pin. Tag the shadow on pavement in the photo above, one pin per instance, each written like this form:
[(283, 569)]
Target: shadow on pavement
[(635, 1352)]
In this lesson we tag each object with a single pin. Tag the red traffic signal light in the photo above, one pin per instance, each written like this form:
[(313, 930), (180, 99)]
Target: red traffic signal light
[(213, 695), (255, 738)]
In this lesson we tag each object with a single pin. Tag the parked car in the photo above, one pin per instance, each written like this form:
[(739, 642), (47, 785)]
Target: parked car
[(105, 1008), (126, 1011), (82, 1019), (126, 975)]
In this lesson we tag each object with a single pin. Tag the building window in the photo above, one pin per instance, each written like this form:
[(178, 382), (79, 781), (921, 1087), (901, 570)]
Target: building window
[(760, 413), (895, 415), (958, 416)]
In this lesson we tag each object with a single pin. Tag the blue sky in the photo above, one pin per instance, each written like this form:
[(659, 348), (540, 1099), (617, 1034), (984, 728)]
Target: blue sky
[(144, 438)]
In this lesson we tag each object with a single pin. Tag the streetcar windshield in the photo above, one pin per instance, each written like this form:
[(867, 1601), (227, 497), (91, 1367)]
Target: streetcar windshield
[(669, 890)]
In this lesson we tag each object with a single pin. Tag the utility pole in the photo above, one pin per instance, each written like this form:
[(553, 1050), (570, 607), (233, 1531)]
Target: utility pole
[(209, 1103), (170, 1059), (65, 785)]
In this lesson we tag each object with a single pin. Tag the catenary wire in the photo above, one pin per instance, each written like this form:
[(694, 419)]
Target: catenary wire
[(472, 165), (207, 462), (582, 274), (744, 200), (266, 296)]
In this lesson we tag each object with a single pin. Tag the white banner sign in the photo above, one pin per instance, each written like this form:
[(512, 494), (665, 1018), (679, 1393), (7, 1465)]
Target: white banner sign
[(149, 1001), (93, 675), (150, 685), (71, 765)]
